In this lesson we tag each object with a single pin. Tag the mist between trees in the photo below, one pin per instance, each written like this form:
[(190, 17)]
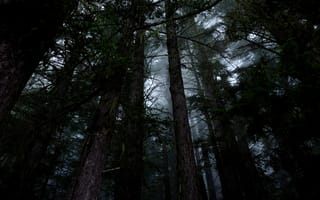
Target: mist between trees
[(159, 100)]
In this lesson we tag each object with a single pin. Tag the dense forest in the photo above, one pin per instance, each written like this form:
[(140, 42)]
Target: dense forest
[(159, 99)]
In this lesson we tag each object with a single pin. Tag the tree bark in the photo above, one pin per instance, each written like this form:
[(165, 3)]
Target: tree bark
[(188, 184), (24, 38), (129, 180), (88, 182), (131, 163)]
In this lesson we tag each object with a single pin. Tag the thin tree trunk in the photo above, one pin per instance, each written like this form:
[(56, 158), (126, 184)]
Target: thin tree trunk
[(202, 184), (230, 190), (212, 138), (24, 38), (188, 184), (208, 173), (220, 137), (234, 162), (166, 172)]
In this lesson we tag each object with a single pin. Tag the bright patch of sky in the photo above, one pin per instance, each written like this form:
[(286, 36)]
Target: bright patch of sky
[(208, 23), (234, 56), (156, 86)]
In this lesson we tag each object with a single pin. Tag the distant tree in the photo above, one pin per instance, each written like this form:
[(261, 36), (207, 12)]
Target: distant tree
[(234, 161)]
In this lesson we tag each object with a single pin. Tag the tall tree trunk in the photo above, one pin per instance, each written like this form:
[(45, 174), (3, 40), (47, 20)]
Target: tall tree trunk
[(129, 180), (24, 38), (88, 182), (234, 161), (131, 163), (188, 184), (205, 83), (223, 149), (212, 139)]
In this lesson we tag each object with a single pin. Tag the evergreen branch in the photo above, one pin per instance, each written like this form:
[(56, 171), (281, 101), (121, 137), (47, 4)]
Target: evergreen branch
[(208, 7)]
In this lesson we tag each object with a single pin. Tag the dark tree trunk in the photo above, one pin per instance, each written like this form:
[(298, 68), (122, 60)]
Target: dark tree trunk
[(250, 177), (212, 139), (129, 180), (30, 171), (43, 132), (204, 78), (223, 149), (24, 38), (88, 182), (236, 168), (131, 163), (188, 184)]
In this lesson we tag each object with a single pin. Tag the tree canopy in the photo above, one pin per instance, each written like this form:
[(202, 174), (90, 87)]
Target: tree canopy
[(165, 100)]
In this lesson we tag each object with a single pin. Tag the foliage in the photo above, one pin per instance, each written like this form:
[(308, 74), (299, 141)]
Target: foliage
[(260, 113)]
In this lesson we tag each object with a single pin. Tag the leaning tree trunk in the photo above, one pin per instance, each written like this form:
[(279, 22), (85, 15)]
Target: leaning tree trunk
[(44, 130), (188, 184), (27, 30), (88, 182)]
